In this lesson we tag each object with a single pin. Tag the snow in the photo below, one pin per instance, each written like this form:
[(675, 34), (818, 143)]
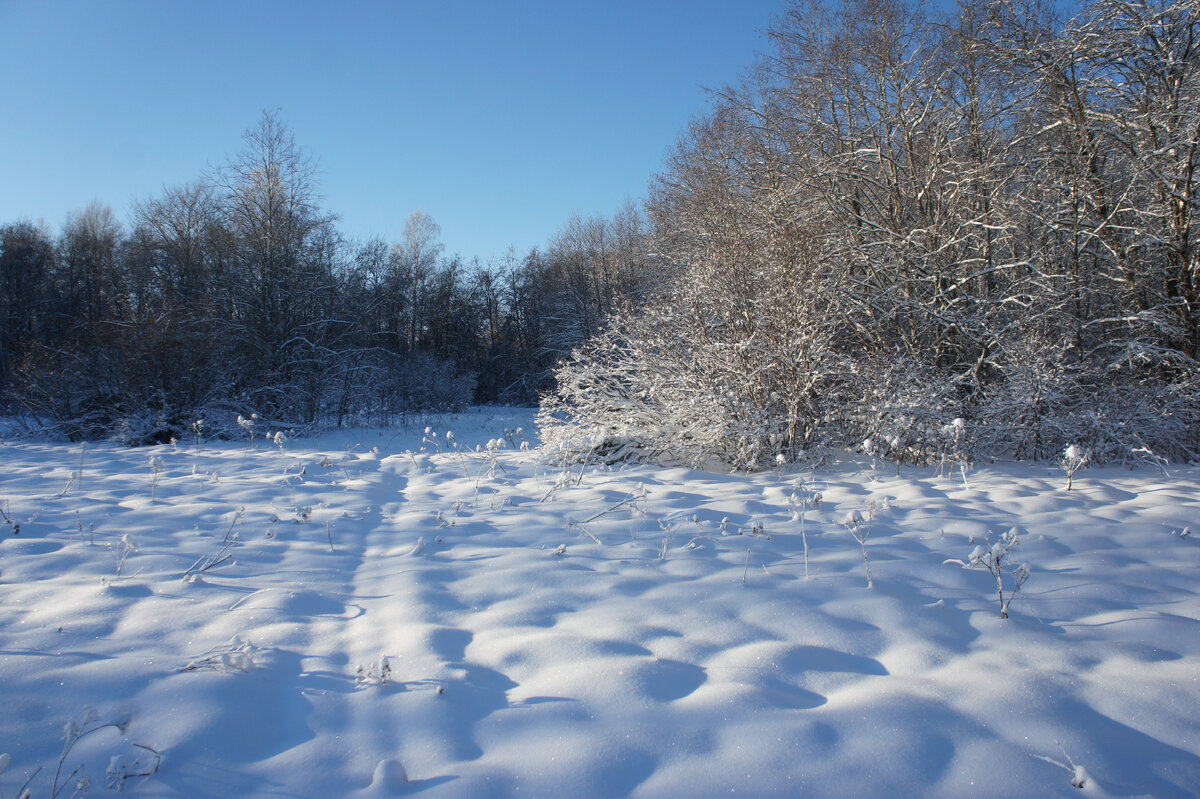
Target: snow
[(394, 620)]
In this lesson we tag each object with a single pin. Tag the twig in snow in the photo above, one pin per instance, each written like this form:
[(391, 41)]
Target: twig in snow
[(1079, 775), (203, 564), (11, 520), (633, 497)]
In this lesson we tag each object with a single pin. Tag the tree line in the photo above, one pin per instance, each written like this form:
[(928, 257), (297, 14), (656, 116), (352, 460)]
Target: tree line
[(930, 235), (237, 295)]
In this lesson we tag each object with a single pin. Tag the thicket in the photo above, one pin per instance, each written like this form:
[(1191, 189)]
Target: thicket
[(953, 235)]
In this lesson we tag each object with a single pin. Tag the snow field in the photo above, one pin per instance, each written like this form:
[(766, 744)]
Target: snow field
[(490, 632)]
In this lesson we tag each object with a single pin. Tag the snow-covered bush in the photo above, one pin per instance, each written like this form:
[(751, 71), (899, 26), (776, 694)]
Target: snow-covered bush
[(420, 382), (713, 371)]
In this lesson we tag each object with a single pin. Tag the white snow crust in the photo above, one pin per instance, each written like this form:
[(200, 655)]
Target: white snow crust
[(393, 620)]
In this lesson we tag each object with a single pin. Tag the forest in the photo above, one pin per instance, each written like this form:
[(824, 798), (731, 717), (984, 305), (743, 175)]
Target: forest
[(237, 295), (921, 233)]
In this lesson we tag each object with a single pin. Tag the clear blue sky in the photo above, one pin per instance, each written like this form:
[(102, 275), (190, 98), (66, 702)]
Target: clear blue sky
[(501, 118)]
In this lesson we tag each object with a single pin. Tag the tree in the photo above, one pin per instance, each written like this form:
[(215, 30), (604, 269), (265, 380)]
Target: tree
[(27, 266), (285, 249), (416, 259)]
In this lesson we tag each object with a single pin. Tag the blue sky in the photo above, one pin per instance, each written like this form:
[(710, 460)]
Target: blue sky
[(501, 119)]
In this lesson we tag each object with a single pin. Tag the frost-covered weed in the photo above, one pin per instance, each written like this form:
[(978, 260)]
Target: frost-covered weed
[(120, 767), (997, 559), (83, 450), (1079, 775), (72, 481), (956, 452), (235, 656), (860, 528), (9, 518), (801, 499), (379, 673), (452, 442), (874, 452), (248, 425), (491, 452), (91, 528), (516, 438), (222, 555), (157, 467), (128, 545), (1073, 460)]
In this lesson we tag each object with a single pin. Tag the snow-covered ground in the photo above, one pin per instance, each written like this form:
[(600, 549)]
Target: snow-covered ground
[(393, 621)]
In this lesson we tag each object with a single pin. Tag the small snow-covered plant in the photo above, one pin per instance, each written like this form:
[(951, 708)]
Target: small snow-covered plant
[(75, 478), (74, 731), (198, 431), (234, 656), (374, 674), (860, 528), (997, 559), (248, 424), (636, 501), (72, 480), (872, 449), (122, 767), (5, 760), (452, 442), (157, 467), (431, 437), (494, 446), (1079, 775), (128, 545), (516, 438), (802, 498), (225, 553), (92, 528), (956, 451), (237, 517), (279, 439), (83, 450), (9, 518), (1073, 460)]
